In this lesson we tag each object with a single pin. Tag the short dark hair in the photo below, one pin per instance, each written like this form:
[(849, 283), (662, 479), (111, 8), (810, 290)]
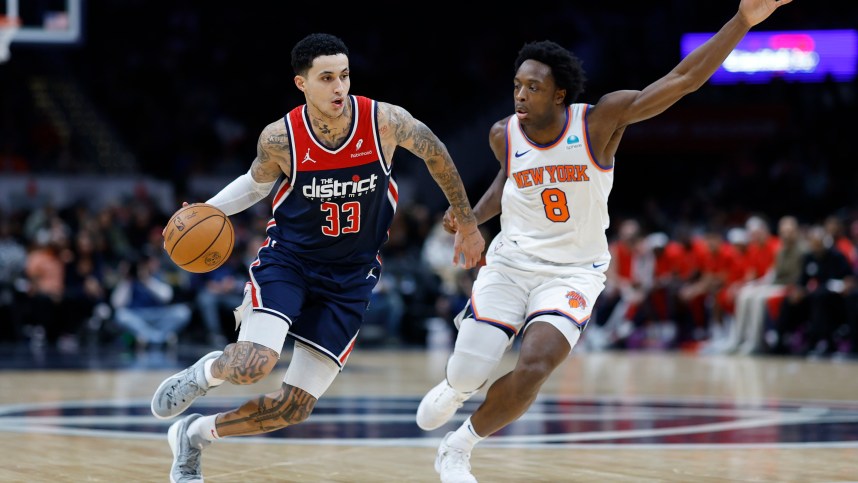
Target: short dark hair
[(565, 66), (315, 45)]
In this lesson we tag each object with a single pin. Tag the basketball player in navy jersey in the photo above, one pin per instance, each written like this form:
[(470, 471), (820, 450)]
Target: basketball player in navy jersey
[(330, 160), (545, 268)]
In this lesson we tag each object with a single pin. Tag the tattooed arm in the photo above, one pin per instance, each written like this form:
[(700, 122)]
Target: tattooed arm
[(399, 128), (273, 154), (272, 159)]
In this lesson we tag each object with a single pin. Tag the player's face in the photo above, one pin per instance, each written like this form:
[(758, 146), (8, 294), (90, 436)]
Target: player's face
[(326, 86), (536, 96)]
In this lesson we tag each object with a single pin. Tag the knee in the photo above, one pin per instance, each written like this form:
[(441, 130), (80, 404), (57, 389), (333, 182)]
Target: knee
[(534, 371), (467, 372), (183, 311), (122, 314), (245, 363), (286, 407), (295, 405), (479, 349)]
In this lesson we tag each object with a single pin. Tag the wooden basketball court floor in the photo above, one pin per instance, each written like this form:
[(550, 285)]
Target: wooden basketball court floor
[(602, 417)]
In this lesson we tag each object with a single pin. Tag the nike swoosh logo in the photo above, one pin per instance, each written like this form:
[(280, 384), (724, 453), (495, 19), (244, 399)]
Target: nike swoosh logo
[(599, 265), (518, 154)]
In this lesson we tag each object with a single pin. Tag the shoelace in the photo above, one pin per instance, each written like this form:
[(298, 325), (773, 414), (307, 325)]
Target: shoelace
[(185, 388), (449, 395), (456, 459), (191, 465)]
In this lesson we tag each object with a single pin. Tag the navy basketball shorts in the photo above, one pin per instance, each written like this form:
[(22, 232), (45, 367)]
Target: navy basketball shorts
[(322, 305)]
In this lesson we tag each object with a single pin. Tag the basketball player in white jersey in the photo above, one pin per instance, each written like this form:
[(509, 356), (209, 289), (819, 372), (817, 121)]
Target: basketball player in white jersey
[(545, 268)]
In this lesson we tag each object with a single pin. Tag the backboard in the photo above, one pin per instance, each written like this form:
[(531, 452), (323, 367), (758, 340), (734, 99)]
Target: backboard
[(45, 21)]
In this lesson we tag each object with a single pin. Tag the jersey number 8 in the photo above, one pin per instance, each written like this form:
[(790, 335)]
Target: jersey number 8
[(556, 208)]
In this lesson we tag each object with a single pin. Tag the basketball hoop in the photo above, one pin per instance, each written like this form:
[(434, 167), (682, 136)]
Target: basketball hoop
[(8, 27)]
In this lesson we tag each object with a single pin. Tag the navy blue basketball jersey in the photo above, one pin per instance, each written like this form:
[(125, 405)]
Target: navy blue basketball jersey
[(340, 202)]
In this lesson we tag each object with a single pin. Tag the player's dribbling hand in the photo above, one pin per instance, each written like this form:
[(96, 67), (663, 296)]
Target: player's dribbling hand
[(164, 230)]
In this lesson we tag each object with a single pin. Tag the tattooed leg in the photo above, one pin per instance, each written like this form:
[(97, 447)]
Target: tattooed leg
[(290, 405), (244, 363)]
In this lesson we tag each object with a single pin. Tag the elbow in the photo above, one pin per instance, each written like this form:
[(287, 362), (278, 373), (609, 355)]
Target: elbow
[(684, 82), (691, 89), (695, 86), (690, 85)]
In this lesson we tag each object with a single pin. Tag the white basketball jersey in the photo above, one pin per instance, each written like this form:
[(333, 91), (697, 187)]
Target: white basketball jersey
[(555, 201)]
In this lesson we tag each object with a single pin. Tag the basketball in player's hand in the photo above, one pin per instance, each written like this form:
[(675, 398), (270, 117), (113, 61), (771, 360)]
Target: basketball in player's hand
[(199, 237)]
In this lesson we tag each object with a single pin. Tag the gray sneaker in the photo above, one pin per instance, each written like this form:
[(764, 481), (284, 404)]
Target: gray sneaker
[(186, 456), (178, 391)]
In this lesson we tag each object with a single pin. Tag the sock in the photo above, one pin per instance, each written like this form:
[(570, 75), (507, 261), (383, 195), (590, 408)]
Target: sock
[(203, 431), (465, 437), (213, 381)]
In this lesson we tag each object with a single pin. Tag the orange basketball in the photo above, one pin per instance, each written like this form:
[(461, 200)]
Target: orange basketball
[(199, 237)]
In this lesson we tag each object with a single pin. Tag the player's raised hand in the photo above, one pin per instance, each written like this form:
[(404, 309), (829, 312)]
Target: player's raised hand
[(755, 11), (468, 246)]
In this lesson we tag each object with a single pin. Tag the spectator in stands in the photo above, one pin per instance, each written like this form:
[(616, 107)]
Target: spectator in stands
[(435, 254), (13, 257), (406, 273), (850, 335), (655, 316), (143, 304), (38, 219), (713, 264), (677, 266), (113, 235), (383, 318), (455, 281), (815, 306), (84, 281), (45, 273), (835, 229), (746, 333), (222, 290), (762, 248), (853, 237), (735, 267), (611, 310)]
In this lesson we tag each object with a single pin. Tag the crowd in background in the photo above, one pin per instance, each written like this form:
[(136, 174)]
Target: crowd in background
[(704, 256), (747, 289), (758, 286), (74, 275)]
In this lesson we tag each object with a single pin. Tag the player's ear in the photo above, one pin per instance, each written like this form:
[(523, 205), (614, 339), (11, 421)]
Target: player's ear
[(559, 96), (299, 82)]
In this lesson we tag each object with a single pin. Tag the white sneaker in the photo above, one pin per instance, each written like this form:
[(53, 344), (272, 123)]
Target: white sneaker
[(439, 405), (453, 464)]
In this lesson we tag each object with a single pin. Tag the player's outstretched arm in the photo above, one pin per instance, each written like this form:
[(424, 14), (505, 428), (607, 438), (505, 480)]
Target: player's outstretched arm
[(272, 160), (622, 108), (416, 137)]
